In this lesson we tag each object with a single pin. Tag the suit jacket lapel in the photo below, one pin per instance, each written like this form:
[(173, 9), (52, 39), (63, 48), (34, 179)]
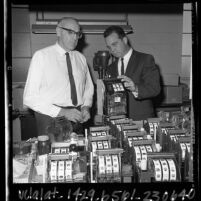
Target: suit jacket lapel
[(132, 64), (114, 69)]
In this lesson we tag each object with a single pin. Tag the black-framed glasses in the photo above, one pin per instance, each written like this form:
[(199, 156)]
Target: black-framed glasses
[(70, 31)]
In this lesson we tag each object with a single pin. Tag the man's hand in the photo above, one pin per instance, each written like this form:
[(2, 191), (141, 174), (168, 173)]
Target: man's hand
[(85, 114), (71, 114), (128, 83)]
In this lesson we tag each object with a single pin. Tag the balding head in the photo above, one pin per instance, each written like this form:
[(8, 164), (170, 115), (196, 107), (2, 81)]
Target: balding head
[(68, 33), (67, 21)]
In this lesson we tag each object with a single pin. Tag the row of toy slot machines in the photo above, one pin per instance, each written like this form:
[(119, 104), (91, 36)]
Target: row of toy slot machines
[(105, 159), (179, 142), (125, 128), (100, 139), (62, 164), (176, 140), (65, 170), (143, 143), (184, 148), (155, 126), (103, 172), (107, 168), (143, 150), (69, 162), (166, 133), (172, 139)]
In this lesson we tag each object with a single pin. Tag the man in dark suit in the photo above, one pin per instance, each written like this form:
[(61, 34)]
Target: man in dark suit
[(137, 70)]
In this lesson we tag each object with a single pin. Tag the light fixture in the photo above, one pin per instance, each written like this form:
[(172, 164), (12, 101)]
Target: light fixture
[(88, 26)]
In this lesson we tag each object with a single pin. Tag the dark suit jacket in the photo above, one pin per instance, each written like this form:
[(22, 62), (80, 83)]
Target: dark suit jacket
[(144, 73)]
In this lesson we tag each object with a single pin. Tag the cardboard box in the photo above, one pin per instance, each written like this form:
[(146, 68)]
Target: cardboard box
[(171, 79), (172, 94)]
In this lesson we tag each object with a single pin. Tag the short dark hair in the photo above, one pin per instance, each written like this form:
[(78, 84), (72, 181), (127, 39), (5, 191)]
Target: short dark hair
[(114, 29)]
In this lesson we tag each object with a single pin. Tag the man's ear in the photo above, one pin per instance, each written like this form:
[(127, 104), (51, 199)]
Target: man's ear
[(58, 32), (125, 39)]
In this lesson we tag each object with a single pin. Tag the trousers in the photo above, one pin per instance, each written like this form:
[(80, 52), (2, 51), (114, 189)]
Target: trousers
[(43, 121)]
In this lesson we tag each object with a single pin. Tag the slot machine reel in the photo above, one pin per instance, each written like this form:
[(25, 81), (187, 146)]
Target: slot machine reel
[(100, 138), (160, 167), (141, 148), (108, 166), (137, 152), (98, 143), (181, 145), (67, 161), (97, 131), (64, 168)]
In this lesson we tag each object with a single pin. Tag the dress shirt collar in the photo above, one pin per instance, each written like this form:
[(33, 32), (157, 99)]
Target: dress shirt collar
[(125, 60), (128, 54)]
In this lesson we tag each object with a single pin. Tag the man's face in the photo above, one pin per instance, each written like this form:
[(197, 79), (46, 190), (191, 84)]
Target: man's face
[(68, 34), (117, 46)]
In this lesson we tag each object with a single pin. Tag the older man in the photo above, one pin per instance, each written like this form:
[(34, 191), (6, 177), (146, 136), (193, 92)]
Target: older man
[(59, 81)]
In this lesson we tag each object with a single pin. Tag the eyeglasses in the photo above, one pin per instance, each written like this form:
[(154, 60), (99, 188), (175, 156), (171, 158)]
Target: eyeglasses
[(71, 32)]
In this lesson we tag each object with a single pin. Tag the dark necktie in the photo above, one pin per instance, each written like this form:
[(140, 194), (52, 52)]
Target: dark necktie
[(122, 66), (72, 82)]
